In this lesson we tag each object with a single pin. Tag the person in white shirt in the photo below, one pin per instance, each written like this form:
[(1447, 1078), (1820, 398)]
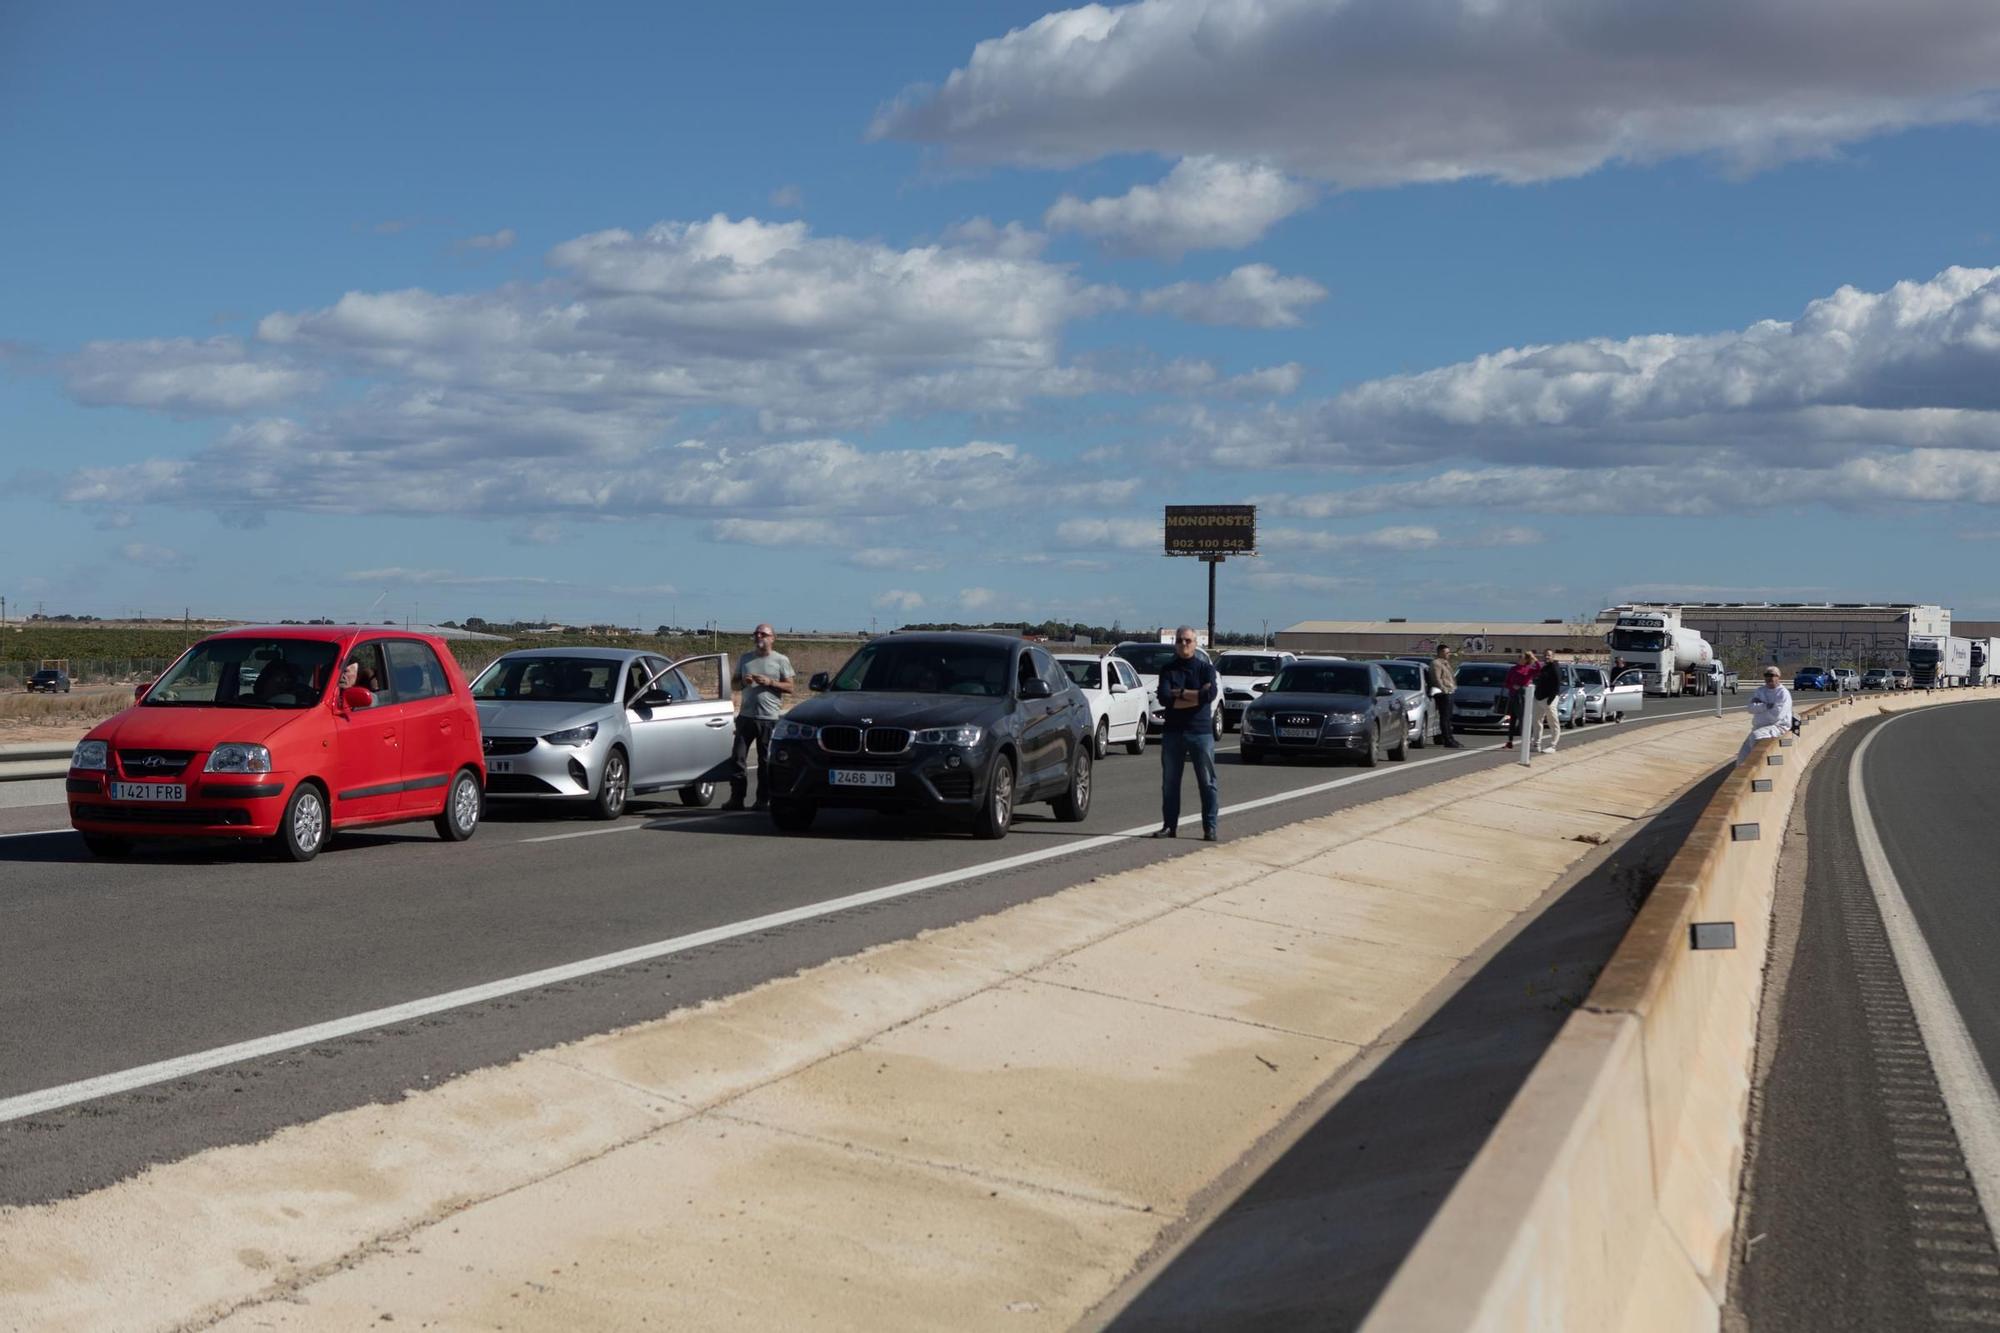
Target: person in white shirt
[(1770, 712)]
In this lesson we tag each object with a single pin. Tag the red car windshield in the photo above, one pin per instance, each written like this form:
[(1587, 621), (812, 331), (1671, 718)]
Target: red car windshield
[(247, 673)]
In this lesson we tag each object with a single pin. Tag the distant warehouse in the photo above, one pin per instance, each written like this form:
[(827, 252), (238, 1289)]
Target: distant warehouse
[(1471, 638), (1856, 634)]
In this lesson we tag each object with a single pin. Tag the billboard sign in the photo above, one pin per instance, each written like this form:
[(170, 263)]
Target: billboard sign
[(1211, 530)]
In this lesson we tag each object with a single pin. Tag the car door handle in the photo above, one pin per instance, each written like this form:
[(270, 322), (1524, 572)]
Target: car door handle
[(718, 722)]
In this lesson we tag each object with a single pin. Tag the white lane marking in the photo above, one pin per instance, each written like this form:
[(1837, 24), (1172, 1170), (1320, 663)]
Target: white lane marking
[(38, 833), (162, 1071), (1962, 1077), (583, 833)]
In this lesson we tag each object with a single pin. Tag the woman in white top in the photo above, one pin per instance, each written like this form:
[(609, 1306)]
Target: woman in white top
[(1770, 712)]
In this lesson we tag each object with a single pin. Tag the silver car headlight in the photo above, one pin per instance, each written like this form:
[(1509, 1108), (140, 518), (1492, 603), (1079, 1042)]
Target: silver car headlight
[(230, 757), (788, 730), (582, 735), (90, 754), (966, 736), (1347, 717)]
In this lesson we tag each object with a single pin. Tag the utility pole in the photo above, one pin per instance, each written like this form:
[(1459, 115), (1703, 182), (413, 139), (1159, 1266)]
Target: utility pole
[(1267, 631)]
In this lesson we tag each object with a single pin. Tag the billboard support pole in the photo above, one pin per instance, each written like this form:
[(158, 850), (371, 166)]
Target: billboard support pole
[(1211, 601)]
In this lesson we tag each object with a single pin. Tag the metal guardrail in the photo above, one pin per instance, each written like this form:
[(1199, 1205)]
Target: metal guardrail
[(29, 763)]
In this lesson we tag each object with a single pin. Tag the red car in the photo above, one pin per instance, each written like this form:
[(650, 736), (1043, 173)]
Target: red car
[(252, 734)]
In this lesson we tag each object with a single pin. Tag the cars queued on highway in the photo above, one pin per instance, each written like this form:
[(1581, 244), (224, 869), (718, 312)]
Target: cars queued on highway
[(287, 735)]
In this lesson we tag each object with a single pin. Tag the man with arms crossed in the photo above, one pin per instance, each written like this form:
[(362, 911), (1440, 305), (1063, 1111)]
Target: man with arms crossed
[(1188, 688), (765, 677), (1444, 680)]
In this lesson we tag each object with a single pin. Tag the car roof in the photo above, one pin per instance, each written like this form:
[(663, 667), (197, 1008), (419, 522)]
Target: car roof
[(590, 654), (957, 636)]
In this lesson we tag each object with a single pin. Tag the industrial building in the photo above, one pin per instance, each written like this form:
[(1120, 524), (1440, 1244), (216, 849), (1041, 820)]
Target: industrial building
[(1856, 634), (1470, 638)]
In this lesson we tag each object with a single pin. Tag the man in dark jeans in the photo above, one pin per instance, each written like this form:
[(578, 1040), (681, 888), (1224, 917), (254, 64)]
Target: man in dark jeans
[(765, 677), (1188, 689), (1443, 681)]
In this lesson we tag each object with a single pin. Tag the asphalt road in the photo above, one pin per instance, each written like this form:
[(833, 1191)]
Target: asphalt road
[(110, 966), (1863, 1213)]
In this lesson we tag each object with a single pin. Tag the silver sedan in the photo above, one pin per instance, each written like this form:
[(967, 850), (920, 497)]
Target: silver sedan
[(602, 725)]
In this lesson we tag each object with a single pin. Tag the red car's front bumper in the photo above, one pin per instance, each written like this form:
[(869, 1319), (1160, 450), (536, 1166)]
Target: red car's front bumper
[(234, 805)]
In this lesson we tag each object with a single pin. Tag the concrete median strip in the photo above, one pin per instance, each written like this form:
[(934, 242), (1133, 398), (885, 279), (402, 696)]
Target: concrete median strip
[(1606, 1197), (986, 1125)]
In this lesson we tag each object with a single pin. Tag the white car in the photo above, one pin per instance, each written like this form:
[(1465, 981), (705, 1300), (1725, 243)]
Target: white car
[(1240, 672), (1412, 679), (1601, 700), (1147, 659), (1119, 703)]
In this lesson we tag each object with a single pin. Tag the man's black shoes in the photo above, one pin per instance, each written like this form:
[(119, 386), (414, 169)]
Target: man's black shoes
[(1210, 835), (1168, 832)]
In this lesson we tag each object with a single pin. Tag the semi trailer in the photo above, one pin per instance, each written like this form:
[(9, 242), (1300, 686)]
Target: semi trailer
[(1938, 661)]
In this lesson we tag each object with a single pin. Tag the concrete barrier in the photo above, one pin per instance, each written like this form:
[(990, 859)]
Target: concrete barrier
[(1606, 1196)]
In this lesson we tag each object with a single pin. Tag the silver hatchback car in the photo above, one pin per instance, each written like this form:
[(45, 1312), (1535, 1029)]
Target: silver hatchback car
[(603, 725)]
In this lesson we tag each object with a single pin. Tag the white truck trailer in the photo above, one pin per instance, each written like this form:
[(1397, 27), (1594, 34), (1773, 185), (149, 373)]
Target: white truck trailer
[(1985, 662), (1940, 661), (1651, 639)]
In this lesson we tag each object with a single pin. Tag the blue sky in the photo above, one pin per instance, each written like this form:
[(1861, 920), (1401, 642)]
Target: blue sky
[(922, 311)]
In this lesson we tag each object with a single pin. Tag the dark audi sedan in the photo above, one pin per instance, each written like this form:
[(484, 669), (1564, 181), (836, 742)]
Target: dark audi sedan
[(963, 726), (1327, 707)]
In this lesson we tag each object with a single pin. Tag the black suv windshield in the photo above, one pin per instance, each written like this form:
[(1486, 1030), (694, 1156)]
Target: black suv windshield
[(1146, 658), (1313, 678), (550, 680), (926, 668), (247, 673), (1246, 664)]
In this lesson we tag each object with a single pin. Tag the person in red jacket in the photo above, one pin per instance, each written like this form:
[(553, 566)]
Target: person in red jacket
[(1520, 681)]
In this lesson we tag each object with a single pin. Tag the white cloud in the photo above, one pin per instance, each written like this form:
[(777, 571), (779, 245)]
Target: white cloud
[(1122, 534), (1401, 538), (491, 241), (899, 599), (1857, 372), (183, 376), (400, 576), (778, 531), (899, 558), (1517, 90), (976, 599), (1204, 203), (1266, 381), (1290, 580), (984, 236), (788, 196), (151, 556), (1254, 296)]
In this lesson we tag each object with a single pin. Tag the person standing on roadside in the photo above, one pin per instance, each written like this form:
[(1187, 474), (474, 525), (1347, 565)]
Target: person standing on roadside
[(1443, 681), (1520, 685), (1548, 684), (765, 676), (1188, 688), (1770, 712)]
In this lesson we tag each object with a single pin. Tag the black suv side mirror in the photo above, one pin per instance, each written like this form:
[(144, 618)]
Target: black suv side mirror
[(1036, 689), (818, 682)]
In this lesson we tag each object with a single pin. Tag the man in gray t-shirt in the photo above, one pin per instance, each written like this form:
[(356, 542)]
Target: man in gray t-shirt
[(765, 676)]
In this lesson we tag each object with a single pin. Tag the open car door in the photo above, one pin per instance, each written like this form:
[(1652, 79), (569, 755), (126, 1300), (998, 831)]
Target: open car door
[(1626, 694)]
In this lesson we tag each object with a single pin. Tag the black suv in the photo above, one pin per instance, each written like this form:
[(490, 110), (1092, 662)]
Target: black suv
[(49, 681), (967, 726)]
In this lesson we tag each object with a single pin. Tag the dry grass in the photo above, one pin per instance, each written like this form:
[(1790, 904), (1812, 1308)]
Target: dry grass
[(27, 719)]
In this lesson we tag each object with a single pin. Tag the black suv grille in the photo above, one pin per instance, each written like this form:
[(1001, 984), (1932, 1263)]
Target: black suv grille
[(840, 740), (888, 740), (505, 745), (154, 763)]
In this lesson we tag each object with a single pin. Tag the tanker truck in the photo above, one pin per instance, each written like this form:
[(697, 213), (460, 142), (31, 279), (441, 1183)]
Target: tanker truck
[(1651, 639)]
